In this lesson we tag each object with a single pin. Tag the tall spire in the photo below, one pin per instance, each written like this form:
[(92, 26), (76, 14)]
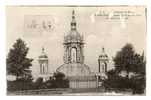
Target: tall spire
[(73, 22), (43, 49), (103, 50), (73, 16), (43, 52), (143, 56)]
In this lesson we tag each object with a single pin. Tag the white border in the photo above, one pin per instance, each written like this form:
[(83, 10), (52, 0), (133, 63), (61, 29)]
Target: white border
[(69, 2), (77, 2)]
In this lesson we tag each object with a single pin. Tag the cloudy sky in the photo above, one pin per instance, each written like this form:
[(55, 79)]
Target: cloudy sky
[(111, 32)]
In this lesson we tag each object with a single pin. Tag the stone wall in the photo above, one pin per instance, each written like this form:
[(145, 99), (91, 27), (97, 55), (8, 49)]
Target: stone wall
[(83, 82)]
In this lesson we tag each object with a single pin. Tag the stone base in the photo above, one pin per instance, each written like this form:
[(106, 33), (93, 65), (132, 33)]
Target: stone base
[(84, 82), (74, 69)]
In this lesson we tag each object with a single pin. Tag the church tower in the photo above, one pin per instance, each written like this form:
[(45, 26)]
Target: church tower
[(73, 52), (74, 68), (43, 61), (103, 62), (73, 44)]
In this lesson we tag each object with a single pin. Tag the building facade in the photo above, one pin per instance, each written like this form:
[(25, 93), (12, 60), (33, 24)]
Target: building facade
[(103, 61), (78, 73), (43, 62), (73, 54)]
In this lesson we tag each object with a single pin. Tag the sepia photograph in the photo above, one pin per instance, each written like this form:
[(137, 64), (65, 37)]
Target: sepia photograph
[(76, 50)]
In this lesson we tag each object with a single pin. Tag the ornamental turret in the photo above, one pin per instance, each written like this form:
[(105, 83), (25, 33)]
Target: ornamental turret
[(73, 44), (43, 61), (103, 62)]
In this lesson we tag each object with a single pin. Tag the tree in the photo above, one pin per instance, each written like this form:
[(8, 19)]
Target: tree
[(127, 60), (60, 80), (17, 62), (115, 81), (59, 76), (39, 84), (138, 82)]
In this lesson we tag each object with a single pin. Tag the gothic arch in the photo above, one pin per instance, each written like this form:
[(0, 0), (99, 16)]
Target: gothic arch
[(73, 54), (104, 67)]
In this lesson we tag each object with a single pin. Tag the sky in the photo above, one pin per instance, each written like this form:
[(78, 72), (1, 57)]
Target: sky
[(123, 25)]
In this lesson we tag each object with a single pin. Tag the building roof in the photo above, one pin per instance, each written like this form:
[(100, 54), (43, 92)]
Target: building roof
[(103, 55), (43, 54), (74, 69), (73, 35)]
